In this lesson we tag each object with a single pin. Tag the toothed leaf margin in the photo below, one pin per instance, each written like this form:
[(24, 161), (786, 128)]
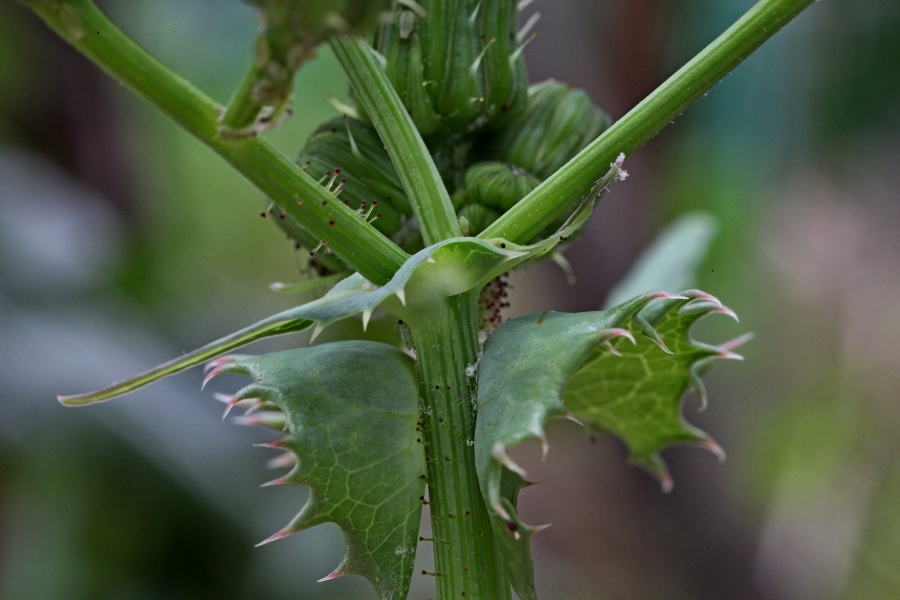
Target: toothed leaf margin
[(445, 269), (578, 365), (350, 413)]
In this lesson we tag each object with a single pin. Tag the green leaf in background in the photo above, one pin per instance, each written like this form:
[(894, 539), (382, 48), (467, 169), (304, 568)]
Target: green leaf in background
[(558, 364), (350, 410), (671, 261)]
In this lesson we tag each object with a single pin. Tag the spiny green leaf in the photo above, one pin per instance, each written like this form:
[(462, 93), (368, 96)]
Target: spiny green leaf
[(350, 410), (445, 269), (637, 396), (342, 301), (557, 364)]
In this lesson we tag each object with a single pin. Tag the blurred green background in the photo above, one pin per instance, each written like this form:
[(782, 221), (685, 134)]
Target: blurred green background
[(124, 242)]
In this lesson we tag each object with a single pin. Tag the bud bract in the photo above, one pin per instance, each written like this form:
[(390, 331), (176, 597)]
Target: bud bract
[(498, 185), (557, 124), (474, 218), (347, 158), (456, 64)]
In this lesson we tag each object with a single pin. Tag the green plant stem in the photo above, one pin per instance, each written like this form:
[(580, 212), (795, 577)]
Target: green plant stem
[(465, 560), (423, 185), (295, 193), (243, 108), (539, 208)]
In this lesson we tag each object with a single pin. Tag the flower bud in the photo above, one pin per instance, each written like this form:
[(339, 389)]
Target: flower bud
[(402, 50), (474, 218), (457, 65), (558, 123), (498, 185), (350, 162)]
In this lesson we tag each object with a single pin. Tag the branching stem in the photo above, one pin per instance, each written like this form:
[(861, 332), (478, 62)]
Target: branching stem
[(295, 194), (243, 109), (539, 208)]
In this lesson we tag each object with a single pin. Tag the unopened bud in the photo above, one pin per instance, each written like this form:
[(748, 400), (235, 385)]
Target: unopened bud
[(478, 217), (498, 185), (455, 65), (558, 123)]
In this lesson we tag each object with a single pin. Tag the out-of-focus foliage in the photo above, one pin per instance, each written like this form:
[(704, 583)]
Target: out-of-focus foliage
[(145, 231)]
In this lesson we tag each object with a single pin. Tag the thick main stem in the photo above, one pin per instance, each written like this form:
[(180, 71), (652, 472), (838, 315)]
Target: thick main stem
[(466, 563)]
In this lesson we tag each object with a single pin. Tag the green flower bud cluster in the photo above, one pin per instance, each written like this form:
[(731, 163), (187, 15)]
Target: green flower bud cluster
[(557, 123), (348, 159), (500, 167), (493, 139), (491, 188), (456, 64)]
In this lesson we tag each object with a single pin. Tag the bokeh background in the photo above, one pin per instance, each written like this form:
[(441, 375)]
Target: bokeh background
[(124, 242)]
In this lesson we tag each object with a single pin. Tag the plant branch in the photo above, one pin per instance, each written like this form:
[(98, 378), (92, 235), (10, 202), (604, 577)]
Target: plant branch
[(539, 208), (243, 108), (418, 173), (297, 196)]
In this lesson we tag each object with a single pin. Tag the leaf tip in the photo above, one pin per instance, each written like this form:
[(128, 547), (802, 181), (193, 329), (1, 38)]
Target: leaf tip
[(714, 447), (212, 374), (282, 533), (540, 528), (223, 398), (545, 446), (500, 455), (655, 466), (729, 312), (276, 443), (609, 346), (220, 361), (614, 332), (319, 328), (666, 483), (729, 355), (662, 346), (697, 381), (650, 332), (568, 415), (232, 402), (737, 342), (71, 400), (333, 575), (277, 481), (287, 459)]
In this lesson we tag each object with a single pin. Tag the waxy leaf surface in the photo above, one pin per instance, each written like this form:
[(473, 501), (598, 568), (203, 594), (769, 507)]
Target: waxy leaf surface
[(621, 370), (445, 269), (350, 412)]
